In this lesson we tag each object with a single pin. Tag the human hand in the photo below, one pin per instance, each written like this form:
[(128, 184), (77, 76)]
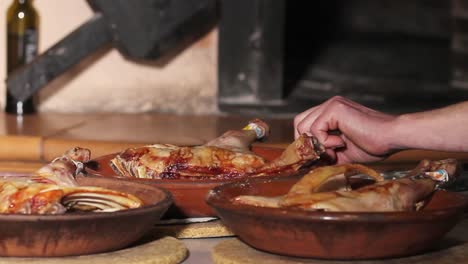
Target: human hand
[(349, 131)]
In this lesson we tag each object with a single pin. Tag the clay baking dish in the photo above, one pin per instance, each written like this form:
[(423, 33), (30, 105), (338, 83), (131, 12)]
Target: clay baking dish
[(333, 235), (189, 195), (83, 233)]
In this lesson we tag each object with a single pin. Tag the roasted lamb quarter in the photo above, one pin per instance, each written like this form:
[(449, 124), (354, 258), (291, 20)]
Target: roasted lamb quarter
[(53, 189), (226, 157), (313, 191), (322, 234), (59, 211), (26, 197)]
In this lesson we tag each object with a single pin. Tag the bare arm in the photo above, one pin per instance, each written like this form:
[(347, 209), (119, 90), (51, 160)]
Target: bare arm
[(440, 129), (367, 135)]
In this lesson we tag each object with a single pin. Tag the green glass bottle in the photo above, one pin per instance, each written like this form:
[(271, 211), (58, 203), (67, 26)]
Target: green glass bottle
[(22, 45)]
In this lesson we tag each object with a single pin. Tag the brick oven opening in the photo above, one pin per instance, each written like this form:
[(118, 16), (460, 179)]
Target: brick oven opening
[(285, 56)]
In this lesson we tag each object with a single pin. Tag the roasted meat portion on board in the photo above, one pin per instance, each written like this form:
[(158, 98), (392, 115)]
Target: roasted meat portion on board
[(327, 188), (226, 157), (54, 190)]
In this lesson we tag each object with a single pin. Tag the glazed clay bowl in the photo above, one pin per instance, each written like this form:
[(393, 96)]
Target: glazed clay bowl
[(333, 235), (188, 195), (83, 233)]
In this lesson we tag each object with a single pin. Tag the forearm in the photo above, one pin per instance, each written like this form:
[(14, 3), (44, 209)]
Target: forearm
[(442, 129)]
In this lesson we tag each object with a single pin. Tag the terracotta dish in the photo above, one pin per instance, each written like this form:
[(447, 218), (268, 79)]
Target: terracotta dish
[(189, 195), (333, 235), (83, 233)]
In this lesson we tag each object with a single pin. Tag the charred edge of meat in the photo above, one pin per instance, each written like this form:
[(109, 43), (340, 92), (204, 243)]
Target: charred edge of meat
[(172, 171), (318, 147), (94, 165)]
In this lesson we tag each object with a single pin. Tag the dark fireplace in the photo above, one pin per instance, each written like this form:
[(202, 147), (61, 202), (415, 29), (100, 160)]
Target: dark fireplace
[(280, 56)]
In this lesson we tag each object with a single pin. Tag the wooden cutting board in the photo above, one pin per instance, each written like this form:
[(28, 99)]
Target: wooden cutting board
[(166, 250), (453, 249)]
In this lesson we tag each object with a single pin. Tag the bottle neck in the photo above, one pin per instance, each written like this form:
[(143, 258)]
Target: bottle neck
[(23, 2)]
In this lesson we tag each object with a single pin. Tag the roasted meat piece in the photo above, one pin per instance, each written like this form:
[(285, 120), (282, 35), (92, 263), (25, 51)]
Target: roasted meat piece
[(326, 188), (53, 190), (225, 157)]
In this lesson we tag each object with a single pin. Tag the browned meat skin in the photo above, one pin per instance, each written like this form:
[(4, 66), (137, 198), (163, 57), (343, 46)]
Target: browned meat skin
[(63, 170), (389, 195), (53, 190), (384, 195), (303, 150), (170, 162), (260, 201), (225, 157), (317, 179)]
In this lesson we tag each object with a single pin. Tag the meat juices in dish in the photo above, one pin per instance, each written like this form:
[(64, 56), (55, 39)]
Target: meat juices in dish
[(314, 191), (226, 157), (53, 190)]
